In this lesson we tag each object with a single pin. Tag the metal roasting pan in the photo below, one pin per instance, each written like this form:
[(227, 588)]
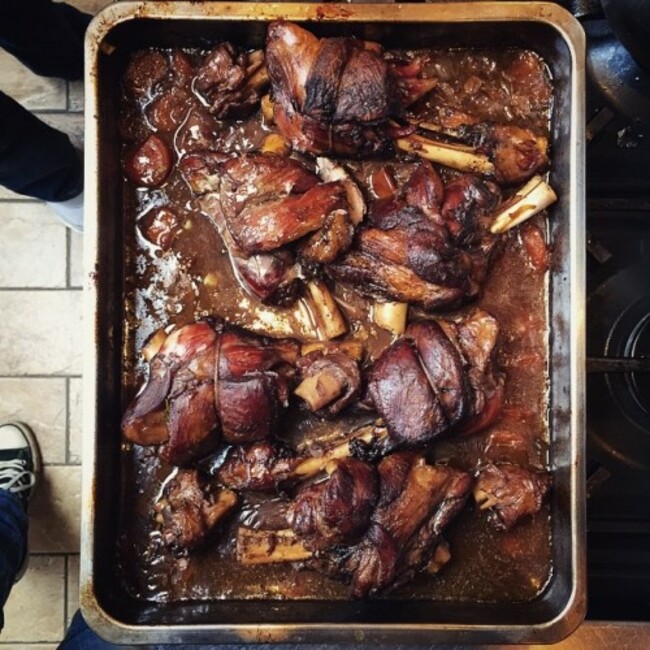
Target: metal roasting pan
[(126, 26)]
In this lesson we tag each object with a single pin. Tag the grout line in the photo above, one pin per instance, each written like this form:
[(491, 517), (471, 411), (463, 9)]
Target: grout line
[(66, 566), (37, 289), (52, 111), (62, 464), (53, 554), (27, 376), (68, 263), (67, 420)]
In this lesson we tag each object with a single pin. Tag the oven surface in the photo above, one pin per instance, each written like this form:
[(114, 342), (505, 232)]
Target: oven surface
[(618, 317)]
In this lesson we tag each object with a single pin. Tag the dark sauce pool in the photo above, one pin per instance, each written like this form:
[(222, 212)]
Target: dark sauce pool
[(194, 279)]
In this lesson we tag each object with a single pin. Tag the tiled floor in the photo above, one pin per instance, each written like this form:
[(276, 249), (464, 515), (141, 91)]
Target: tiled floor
[(40, 368)]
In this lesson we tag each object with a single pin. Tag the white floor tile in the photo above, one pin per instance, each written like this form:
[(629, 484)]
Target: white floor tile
[(75, 431), (55, 511), (32, 247), (40, 332), (35, 612), (73, 588), (40, 403)]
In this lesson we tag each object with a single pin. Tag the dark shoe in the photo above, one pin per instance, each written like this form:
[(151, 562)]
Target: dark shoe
[(20, 460)]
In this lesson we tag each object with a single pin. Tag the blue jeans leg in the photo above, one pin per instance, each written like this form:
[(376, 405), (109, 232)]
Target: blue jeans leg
[(48, 37), (13, 544), (81, 637), (36, 159)]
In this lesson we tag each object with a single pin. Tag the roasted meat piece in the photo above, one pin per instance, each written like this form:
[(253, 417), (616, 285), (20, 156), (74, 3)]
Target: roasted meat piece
[(403, 396), (271, 277), (261, 203), (269, 201), (439, 376), (150, 163), (330, 381), (252, 384), (176, 405), (202, 380), (510, 492), (336, 510), (260, 467), (476, 338), (231, 81), (151, 72), (514, 153), (160, 227), (190, 510), (374, 527), (336, 94), (416, 503), (173, 97), (198, 132), (444, 367), (425, 245)]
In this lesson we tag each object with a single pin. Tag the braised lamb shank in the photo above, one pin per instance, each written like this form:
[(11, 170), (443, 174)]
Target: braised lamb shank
[(372, 527), (262, 203), (427, 245), (206, 384), (447, 370), (336, 95)]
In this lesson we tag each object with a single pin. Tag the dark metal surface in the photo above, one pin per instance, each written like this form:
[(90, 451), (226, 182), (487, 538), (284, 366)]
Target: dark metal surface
[(590, 635), (620, 79), (112, 612), (620, 364)]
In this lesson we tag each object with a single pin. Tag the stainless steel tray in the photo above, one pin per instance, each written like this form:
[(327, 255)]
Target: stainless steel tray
[(126, 26)]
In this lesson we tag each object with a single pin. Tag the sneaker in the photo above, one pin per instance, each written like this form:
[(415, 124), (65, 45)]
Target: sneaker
[(71, 211), (20, 460)]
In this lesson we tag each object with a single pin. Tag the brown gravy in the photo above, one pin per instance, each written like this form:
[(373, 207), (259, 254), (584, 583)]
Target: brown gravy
[(164, 288)]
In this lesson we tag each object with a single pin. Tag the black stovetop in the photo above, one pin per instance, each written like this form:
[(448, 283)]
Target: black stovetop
[(618, 325)]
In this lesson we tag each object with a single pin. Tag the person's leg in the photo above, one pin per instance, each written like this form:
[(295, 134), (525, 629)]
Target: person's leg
[(13, 544), (37, 160), (81, 637), (47, 37), (19, 467)]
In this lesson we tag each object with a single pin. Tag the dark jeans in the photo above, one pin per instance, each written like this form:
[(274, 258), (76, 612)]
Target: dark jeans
[(13, 543), (35, 159)]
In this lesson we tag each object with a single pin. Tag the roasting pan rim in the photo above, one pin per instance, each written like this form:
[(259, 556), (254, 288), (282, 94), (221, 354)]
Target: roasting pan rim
[(96, 335)]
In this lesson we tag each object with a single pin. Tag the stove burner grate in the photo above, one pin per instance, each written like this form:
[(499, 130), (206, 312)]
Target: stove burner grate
[(619, 402)]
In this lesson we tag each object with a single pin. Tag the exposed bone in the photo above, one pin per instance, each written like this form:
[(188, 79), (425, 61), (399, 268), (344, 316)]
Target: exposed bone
[(225, 502), (533, 197), (436, 128), (256, 57), (269, 546), (259, 79), (330, 320), (484, 500), (276, 144), (391, 316), (321, 389), (352, 348), (267, 109), (316, 464), (457, 156), (441, 556), (330, 171), (150, 350)]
